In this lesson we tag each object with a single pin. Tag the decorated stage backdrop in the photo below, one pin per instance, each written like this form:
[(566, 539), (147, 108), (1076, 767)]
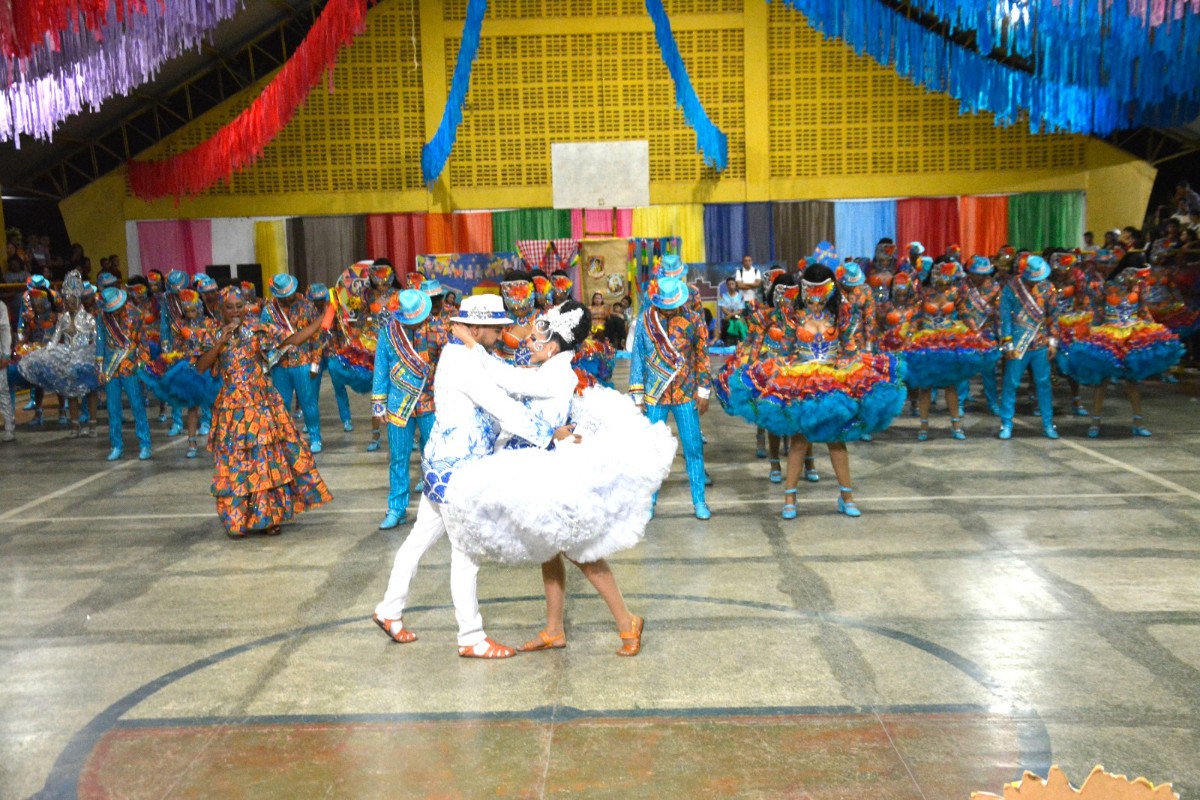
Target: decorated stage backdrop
[(603, 267), (466, 273)]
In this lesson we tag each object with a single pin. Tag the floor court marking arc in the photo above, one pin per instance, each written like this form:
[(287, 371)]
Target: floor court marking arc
[(1032, 735)]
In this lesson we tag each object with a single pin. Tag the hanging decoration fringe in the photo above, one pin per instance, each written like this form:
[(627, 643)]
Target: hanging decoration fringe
[(436, 151), (1097, 65), (242, 141), (103, 57), (710, 141)]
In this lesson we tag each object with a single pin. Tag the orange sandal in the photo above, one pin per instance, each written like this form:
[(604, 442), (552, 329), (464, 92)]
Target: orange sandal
[(632, 638), (544, 642), (403, 636), (494, 650)]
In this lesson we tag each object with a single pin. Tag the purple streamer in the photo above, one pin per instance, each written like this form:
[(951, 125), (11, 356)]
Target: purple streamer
[(46, 88)]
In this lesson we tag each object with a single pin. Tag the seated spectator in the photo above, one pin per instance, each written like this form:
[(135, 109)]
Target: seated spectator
[(732, 304), (15, 271), (615, 328)]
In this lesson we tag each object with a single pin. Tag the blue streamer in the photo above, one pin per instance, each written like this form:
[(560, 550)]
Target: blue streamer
[(710, 141), (437, 151), (1093, 72)]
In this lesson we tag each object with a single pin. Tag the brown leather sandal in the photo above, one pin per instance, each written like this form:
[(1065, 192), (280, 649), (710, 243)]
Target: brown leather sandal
[(494, 650), (403, 636), (632, 638), (544, 642)]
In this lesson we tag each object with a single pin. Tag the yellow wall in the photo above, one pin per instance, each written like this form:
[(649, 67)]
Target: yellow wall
[(95, 218), (1118, 190), (806, 118)]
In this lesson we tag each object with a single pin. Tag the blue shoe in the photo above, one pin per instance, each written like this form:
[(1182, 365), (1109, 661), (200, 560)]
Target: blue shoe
[(392, 520), (315, 446), (36, 421), (789, 509), (847, 507), (175, 430), (347, 426), (760, 452), (144, 454), (994, 409), (1138, 428), (776, 474), (923, 433), (653, 506), (866, 437), (956, 428), (1169, 378), (1080, 411), (372, 445), (30, 406), (702, 511), (1005, 430), (84, 417), (162, 417), (205, 429), (114, 454), (1049, 431), (1094, 429)]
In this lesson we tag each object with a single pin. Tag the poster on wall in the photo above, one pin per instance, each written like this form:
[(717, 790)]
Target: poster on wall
[(603, 269), (468, 273)]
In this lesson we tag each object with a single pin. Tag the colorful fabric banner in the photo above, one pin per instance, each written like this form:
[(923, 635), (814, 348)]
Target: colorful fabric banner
[(932, 221), (860, 224)]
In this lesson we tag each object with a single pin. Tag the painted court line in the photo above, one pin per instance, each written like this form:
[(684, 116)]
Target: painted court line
[(12, 512), (810, 501), (1141, 473)]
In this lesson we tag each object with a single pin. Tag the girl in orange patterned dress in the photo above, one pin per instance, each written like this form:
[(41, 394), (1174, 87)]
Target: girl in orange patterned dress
[(263, 470)]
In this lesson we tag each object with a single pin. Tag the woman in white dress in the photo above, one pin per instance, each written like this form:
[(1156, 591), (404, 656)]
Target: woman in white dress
[(583, 500)]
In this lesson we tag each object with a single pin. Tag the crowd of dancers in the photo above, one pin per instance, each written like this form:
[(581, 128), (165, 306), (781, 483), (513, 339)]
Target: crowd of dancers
[(518, 384)]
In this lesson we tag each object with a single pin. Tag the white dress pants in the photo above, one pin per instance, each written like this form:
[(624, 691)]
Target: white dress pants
[(427, 529)]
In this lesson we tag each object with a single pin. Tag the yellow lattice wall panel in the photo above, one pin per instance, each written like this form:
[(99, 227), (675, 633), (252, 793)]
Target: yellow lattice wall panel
[(456, 10), (529, 91), (835, 114), (365, 136)]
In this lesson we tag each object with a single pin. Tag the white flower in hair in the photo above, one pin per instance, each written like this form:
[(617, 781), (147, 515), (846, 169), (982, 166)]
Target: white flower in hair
[(555, 321)]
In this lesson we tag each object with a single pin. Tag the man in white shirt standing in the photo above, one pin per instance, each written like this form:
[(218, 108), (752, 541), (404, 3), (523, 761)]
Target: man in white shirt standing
[(749, 280), (470, 411)]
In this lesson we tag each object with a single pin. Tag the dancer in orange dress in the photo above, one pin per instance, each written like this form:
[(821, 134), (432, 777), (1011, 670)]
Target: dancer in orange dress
[(263, 470)]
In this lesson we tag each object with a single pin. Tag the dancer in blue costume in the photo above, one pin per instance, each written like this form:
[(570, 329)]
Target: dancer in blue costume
[(945, 348), (402, 396), (983, 303), (1028, 324), (669, 374), (1123, 343), (808, 383)]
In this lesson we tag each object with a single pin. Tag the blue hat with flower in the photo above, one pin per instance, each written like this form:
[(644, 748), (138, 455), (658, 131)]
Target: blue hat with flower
[(37, 282), (826, 255), (671, 266), (980, 265), (205, 284), (668, 293), (283, 285), (112, 299), (413, 307), (1036, 269), (850, 274), (106, 280), (318, 291), (177, 280), (432, 287)]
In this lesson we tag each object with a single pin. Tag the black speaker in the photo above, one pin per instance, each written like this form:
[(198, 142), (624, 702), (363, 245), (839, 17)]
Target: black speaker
[(221, 273)]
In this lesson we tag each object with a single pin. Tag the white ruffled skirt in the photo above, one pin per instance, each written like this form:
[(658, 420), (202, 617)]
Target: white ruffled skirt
[(587, 500)]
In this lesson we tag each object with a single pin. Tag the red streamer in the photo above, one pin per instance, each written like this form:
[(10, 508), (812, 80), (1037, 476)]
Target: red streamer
[(25, 24), (242, 141)]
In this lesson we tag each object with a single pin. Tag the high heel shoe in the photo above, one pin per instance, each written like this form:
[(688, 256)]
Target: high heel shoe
[(789, 509), (810, 471), (845, 506), (956, 428), (373, 445), (923, 433), (1138, 428), (776, 474), (192, 447), (1094, 428)]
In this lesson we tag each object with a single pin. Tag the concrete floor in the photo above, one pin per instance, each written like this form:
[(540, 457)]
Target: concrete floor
[(1000, 606)]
